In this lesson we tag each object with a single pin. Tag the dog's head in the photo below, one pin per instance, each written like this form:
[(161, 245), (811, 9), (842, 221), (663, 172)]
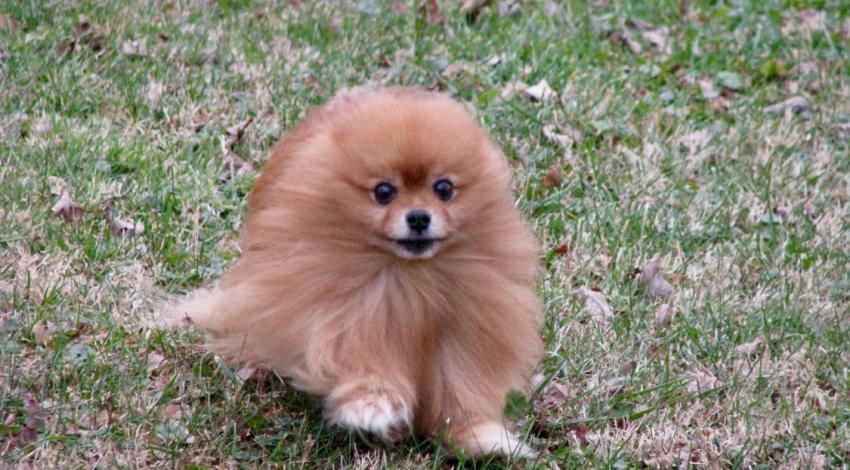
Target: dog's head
[(406, 171)]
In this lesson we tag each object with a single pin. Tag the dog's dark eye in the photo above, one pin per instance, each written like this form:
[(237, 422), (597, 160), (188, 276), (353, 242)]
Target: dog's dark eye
[(384, 193), (444, 189)]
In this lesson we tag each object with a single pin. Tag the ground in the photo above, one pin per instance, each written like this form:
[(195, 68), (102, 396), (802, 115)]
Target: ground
[(685, 166)]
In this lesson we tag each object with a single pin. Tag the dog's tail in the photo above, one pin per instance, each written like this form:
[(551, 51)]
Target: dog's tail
[(490, 438), (198, 309)]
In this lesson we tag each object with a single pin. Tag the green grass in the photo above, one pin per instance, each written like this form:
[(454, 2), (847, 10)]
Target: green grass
[(750, 221)]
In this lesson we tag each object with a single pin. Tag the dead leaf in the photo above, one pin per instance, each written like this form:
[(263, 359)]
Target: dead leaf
[(639, 24), (843, 130), (42, 334), (509, 7), (246, 372), (557, 394), (8, 24), (706, 86), (580, 432), (660, 38), (701, 381), (553, 177), (695, 140), (541, 91), (124, 228), (472, 8), (595, 303), (795, 104), (749, 348), (454, 69), (808, 67), (154, 93), (632, 43), (845, 29), (67, 208), (89, 33), (562, 249), (135, 48), (432, 9), (561, 135), (234, 133), (664, 315), (810, 20), (234, 166), (58, 185), (155, 361), (511, 89), (650, 277)]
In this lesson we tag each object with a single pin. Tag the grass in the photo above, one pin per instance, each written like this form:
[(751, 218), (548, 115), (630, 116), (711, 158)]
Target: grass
[(669, 155)]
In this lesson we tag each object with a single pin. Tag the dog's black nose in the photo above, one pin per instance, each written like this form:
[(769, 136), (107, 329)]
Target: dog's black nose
[(418, 220)]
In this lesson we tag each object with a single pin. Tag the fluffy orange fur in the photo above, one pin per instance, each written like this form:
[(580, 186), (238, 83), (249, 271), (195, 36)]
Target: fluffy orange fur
[(428, 344)]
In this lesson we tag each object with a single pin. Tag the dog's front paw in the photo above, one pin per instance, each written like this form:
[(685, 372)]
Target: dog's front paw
[(382, 413)]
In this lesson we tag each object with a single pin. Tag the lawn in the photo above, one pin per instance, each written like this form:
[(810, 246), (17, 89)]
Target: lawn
[(684, 164)]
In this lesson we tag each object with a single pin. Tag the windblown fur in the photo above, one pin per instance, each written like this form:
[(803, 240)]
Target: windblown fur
[(393, 345)]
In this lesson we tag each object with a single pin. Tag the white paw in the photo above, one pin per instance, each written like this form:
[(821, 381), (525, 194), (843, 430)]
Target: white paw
[(385, 416)]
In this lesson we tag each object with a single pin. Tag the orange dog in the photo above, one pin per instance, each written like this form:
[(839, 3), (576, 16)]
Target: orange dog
[(386, 269)]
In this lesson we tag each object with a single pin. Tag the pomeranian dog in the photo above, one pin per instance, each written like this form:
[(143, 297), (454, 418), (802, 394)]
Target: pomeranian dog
[(386, 268)]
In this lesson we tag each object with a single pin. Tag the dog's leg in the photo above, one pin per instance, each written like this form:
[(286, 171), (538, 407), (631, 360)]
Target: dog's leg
[(370, 406), (484, 437)]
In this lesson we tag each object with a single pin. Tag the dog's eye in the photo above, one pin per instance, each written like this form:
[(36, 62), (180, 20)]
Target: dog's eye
[(384, 193), (444, 189)]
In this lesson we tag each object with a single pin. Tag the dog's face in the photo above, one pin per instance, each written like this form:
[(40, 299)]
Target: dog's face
[(410, 175)]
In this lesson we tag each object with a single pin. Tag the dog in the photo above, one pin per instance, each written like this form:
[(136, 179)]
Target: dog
[(386, 268)]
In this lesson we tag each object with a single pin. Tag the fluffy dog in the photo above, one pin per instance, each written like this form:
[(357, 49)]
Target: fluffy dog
[(386, 268)]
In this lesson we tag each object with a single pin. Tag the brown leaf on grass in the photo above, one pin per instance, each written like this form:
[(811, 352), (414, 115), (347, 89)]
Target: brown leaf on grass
[(842, 130), (695, 140), (806, 22), (639, 24), (7, 23), (90, 34), (541, 91), (664, 315), (651, 279), (155, 361), (701, 381), (556, 394), (234, 133), (135, 48), (153, 92), (432, 9), (749, 348), (509, 7), (124, 228), (41, 334), (58, 185), (563, 249), (706, 86), (561, 135), (660, 38), (580, 432), (595, 303), (234, 166), (845, 29), (795, 104), (553, 177), (473, 7), (246, 372), (511, 89), (67, 208), (632, 43)]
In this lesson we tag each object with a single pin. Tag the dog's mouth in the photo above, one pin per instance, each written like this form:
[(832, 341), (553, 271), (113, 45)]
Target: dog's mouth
[(414, 247)]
